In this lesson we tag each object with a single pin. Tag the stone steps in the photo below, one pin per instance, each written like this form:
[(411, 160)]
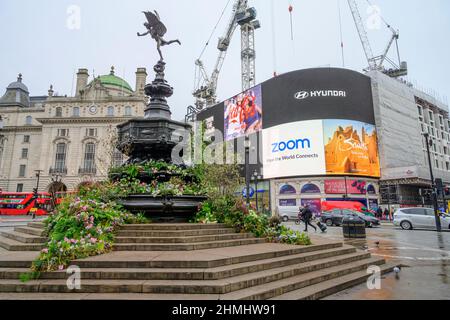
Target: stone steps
[(173, 226), (332, 286), (22, 237), (173, 233), (185, 273), (277, 288), (27, 238), (249, 254), (185, 246), (194, 239), (14, 245), (30, 230), (239, 285), (37, 225)]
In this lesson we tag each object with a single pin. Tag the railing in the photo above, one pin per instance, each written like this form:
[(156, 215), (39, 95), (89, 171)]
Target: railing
[(91, 170), (62, 170)]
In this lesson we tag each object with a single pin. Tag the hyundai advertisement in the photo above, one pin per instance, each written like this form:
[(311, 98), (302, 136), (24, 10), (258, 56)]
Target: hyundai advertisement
[(310, 122)]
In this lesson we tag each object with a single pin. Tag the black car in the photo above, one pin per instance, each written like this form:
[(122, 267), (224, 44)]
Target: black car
[(335, 217)]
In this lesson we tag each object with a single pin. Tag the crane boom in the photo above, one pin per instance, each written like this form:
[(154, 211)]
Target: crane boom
[(376, 62), (362, 34)]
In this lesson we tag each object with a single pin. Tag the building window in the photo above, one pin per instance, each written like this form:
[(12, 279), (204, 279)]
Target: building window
[(117, 158), (60, 159), (24, 153), (110, 112), (76, 112), (287, 189), (63, 132), (19, 187), (59, 112), (89, 156), (437, 164), (287, 203), (22, 170), (420, 111), (128, 112), (447, 166), (90, 132), (29, 120), (310, 188), (26, 139)]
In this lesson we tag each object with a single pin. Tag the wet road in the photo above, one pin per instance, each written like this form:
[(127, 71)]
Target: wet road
[(423, 254)]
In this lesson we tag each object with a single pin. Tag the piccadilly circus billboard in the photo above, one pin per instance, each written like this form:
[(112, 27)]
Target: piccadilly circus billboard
[(309, 122)]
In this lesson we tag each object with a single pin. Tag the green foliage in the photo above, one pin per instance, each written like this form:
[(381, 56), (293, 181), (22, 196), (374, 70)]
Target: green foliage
[(233, 211), (82, 226)]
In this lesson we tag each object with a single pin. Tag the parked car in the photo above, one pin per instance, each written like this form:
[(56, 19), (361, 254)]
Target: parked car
[(288, 213), (335, 218), (411, 218)]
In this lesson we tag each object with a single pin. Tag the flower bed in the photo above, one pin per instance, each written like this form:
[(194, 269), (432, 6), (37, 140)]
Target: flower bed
[(234, 212)]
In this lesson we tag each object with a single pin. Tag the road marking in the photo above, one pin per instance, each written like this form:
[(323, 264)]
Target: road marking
[(411, 258)]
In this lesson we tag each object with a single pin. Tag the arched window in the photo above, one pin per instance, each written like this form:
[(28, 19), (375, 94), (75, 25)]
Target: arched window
[(59, 112), (110, 112), (76, 111), (371, 189), (287, 189), (310, 188), (29, 120), (128, 111)]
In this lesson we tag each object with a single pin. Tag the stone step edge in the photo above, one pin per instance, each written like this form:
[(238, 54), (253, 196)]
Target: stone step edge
[(179, 240), (13, 245), (275, 288), (141, 286), (308, 257), (186, 246), (332, 286), (30, 230), (174, 227), (211, 263), (22, 237)]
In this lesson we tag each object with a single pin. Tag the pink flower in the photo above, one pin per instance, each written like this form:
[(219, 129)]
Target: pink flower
[(61, 267), (93, 240), (84, 208), (45, 250)]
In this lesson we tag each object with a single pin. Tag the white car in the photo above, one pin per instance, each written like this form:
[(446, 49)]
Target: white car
[(413, 218), (288, 213)]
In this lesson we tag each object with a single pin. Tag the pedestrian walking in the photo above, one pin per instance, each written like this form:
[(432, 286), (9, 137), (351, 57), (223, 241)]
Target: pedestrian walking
[(386, 214), (380, 213), (307, 216)]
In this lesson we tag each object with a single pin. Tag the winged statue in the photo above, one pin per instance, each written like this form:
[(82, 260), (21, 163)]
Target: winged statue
[(156, 29)]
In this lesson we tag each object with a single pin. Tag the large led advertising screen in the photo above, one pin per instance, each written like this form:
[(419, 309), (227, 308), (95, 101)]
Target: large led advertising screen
[(243, 114), (309, 122), (320, 147)]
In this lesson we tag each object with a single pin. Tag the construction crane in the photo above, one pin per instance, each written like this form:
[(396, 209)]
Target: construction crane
[(377, 62), (205, 90)]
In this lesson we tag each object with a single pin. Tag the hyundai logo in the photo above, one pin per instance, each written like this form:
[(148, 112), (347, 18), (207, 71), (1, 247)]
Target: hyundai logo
[(301, 95)]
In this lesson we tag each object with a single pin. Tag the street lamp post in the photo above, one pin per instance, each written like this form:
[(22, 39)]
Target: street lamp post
[(36, 192), (433, 184), (256, 177), (247, 170)]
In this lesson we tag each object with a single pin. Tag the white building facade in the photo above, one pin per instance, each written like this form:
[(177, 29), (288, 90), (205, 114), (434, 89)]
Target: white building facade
[(70, 140)]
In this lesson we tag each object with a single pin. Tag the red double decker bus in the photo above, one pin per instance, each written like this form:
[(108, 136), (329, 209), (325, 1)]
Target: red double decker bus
[(22, 203)]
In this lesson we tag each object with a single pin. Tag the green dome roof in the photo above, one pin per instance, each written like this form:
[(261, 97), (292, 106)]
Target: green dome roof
[(112, 80)]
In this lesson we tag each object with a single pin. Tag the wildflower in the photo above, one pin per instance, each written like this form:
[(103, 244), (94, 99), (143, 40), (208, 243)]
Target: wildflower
[(45, 250), (61, 267), (93, 240)]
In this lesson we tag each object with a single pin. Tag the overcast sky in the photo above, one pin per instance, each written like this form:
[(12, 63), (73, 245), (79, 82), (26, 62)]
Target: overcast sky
[(36, 41)]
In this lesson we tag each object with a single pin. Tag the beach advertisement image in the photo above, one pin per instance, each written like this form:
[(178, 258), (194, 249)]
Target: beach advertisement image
[(243, 114), (351, 147)]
